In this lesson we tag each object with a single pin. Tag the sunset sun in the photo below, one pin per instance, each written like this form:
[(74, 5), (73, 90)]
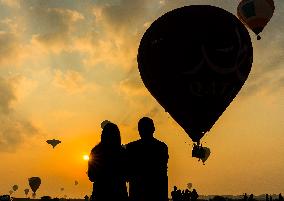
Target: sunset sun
[(86, 157)]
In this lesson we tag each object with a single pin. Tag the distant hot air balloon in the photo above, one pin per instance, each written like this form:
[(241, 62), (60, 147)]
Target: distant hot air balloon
[(189, 185), (15, 187), (10, 192), (76, 183), (26, 191), (105, 122), (255, 14), (194, 60), (34, 183), (53, 142), (62, 189)]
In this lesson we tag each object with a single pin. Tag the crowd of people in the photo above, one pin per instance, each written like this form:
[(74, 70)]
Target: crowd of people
[(184, 195), (267, 197)]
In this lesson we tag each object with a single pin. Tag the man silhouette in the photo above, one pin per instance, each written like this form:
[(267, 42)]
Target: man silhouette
[(148, 159)]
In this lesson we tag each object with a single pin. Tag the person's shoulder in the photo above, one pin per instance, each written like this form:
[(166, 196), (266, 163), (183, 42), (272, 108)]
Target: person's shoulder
[(160, 143), (96, 148), (133, 144)]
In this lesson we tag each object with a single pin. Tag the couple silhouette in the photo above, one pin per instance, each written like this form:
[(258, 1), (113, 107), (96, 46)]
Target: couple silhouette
[(142, 163)]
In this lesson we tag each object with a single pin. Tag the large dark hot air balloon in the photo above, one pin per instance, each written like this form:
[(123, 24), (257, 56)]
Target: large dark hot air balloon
[(34, 183), (256, 14), (194, 60)]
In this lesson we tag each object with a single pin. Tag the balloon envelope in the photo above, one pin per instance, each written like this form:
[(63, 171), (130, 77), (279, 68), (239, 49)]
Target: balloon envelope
[(53, 142), (26, 191), (76, 183), (189, 185), (255, 14), (15, 187), (194, 60), (206, 155), (34, 183)]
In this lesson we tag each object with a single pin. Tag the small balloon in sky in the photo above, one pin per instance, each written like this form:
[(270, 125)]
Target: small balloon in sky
[(15, 187), (27, 191), (62, 189), (189, 185), (34, 183), (255, 14), (53, 142), (105, 122), (76, 182)]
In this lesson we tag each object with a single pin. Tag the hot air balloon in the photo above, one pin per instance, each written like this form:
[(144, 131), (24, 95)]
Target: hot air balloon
[(76, 183), (62, 189), (15, 187), (53, 142), (256, 14), (26, 191), (34, 183), (105, 122), (194, 60), (189, 185), (10, 192)]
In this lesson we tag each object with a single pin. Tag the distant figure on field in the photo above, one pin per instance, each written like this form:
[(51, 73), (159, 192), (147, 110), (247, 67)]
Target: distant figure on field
[(194, 195), (187, 195), (148, 159), (86, 198), (106, 168), (280, 197), (245, 197), (174, 194), (266, 197), (250, 197)]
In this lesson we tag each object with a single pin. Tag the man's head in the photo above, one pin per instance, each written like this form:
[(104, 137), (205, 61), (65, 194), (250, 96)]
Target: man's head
[(146, 128)]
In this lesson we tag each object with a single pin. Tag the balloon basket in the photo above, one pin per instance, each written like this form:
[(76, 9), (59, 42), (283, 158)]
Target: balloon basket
[(198, 151)]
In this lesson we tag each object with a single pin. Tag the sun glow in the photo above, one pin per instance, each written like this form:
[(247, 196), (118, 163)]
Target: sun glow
[(86, 157)]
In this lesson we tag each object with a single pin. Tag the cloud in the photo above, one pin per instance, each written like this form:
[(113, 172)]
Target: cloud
[(10, 48), (6, 96), (53, 27), (132, 85), (11, 3), (14, 129), (70, 80)]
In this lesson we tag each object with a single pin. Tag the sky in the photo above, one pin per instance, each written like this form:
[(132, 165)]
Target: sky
[(66, 65)]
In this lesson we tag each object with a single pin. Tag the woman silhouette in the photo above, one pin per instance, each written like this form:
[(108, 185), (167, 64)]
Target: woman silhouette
[(106, 168)]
